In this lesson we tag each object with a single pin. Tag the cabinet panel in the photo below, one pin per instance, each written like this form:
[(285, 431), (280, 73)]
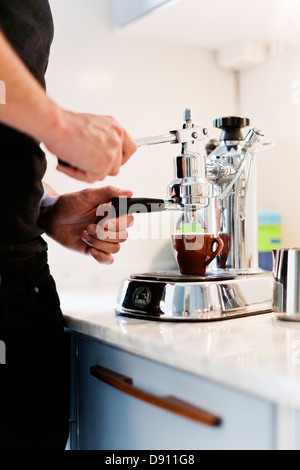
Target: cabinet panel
[(111, 420)]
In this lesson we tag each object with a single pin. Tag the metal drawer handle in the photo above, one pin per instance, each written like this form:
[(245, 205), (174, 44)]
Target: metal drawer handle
[(169, 403)]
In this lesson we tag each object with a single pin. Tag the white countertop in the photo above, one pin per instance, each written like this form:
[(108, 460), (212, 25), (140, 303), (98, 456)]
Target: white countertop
[(258, 354)]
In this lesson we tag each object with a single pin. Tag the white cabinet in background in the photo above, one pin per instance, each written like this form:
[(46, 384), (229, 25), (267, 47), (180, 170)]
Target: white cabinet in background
[(110, 419), (126, 11)]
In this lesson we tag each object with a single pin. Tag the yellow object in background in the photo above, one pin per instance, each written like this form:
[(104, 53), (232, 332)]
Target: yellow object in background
[(269, 237)]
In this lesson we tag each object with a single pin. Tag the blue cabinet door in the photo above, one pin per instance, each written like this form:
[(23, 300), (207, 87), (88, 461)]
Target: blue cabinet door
[(109, 419)]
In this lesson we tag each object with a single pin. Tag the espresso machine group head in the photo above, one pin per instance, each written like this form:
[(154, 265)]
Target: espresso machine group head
[(190, 190)]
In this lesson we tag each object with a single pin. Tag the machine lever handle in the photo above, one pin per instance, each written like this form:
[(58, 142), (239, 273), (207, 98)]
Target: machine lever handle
[(158, 139), (180, 136), (144, 141)]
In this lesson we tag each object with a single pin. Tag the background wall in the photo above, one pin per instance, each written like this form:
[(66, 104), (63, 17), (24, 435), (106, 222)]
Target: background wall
[(146, 85), (270, 95)]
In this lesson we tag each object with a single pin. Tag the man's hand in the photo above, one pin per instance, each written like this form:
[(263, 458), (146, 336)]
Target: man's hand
[(93, 146), (71, 220)]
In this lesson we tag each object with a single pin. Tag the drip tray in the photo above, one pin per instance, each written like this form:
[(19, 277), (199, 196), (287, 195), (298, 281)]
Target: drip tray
[(175, 276), (217, 295)]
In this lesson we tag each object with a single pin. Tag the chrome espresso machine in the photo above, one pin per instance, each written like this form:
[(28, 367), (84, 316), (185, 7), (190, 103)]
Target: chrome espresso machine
[(220, 189)]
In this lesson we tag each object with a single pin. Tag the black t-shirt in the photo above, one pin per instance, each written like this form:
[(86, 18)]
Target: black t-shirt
[(28, 26)]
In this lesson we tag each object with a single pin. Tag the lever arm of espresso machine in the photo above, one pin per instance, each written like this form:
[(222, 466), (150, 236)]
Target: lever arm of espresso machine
[(180, 136)]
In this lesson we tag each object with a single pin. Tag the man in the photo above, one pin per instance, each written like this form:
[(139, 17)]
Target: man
[(34, 394)]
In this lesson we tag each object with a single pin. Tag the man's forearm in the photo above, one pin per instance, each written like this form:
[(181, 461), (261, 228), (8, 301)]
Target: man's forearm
[(27, 108)]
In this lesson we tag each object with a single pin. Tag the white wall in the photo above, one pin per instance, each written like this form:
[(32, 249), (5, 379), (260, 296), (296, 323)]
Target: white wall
[(146, 86), (270, 95)]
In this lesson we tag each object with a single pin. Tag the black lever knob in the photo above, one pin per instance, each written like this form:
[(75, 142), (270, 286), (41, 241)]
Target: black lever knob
[(231, 127)]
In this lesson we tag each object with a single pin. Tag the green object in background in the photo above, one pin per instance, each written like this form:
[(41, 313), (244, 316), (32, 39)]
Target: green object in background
[(269, 231), (191, 228)]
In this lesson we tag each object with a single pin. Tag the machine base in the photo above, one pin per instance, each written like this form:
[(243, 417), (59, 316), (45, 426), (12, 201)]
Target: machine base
[(218, 295)]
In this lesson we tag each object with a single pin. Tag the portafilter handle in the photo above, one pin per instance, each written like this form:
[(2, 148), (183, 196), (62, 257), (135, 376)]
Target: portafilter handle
[(134, 205)]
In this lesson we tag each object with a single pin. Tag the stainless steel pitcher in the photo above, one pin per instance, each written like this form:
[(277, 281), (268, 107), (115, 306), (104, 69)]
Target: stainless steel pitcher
[(286, 292)]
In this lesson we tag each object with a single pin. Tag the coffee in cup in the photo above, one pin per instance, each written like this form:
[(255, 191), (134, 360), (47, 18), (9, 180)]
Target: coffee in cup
[(195, 251)]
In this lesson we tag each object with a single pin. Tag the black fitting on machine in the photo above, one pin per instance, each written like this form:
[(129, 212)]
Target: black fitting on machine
[(231, 127)]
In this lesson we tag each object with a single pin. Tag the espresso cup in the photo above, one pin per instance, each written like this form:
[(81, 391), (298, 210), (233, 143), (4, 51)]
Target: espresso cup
[(195, 251)]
